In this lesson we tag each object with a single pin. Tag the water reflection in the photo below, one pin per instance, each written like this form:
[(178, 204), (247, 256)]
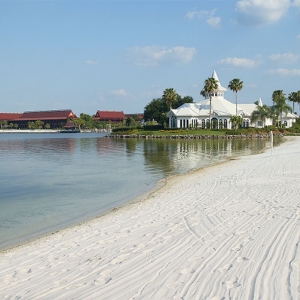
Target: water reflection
[(49, 181)]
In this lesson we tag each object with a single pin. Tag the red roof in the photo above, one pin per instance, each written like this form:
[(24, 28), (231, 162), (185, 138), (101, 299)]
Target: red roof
[(47, 115), (106, 115), (9, 116)]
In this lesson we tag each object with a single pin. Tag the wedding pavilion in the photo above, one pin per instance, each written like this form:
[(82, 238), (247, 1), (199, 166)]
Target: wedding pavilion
[(197, 114)]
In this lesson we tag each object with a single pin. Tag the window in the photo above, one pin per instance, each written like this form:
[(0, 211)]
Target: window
[(214, 122), (225, 123), (220, 124)]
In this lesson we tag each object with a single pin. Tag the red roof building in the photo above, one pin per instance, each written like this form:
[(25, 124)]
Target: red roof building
[(9, 116), (55, 118), (109, 116)]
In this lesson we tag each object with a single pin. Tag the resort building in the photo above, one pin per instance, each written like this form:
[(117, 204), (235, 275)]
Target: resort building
[(9, 116), (109, 116), (197, 114), (55, 118)]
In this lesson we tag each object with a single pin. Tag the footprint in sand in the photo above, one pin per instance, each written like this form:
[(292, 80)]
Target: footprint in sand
[(232, 283), (187, 271), (102, 280), (241, 259), (225, 268), (237, 247)]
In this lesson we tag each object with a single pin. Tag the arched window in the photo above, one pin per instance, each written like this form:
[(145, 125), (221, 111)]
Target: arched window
[(285, 123), (220, 124), (214, 122), (203, 124), (207, 124), (225, 123)]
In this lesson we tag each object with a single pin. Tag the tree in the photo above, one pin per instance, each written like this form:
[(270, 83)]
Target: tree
[(236, 121), (295, 98), (155, 110), (158, 108), (210, 86), (87, 121), (78, 122), (169, 96), (3, 124), (130, 122), (235, 85), (31, 125), (261, 113), (280, 106), (39, 124), (181, 100)]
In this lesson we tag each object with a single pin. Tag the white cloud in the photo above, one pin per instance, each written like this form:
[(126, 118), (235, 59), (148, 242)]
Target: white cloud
[(91, 62), (200, 13), (214, 21), (120, 93), (209, 15), (288, 58), (157, 55), (296, 3), (238, 62), (285, 72), (259, 12)]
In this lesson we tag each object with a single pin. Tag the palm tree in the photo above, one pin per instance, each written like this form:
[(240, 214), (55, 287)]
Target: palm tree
[(235, 85), (210, 86), (293, 98), (261, 113), (280, 104), (298, 98), (236, 121), (170, 96)]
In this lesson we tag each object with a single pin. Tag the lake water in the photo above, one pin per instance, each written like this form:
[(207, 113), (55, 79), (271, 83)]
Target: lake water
[(49, 181)]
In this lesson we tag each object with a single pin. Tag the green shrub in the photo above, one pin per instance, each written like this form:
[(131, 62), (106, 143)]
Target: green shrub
[(123, 129), (153, 127)]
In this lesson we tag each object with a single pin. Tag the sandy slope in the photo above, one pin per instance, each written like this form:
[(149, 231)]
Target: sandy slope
[(227, 232)]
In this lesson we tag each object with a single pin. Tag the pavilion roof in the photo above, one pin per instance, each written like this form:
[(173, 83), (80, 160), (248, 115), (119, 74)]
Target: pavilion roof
[(47, 115)]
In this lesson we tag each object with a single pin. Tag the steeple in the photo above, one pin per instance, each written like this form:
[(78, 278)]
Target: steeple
[(220, 87)]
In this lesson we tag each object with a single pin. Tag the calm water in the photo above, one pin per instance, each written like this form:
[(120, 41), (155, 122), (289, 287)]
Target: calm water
[(48, 181)]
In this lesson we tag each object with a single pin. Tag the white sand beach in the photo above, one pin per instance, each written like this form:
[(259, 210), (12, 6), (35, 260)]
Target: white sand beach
[(231, 231)]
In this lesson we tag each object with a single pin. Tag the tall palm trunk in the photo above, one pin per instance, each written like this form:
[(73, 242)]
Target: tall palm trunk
[(210, 110), (236, 103)]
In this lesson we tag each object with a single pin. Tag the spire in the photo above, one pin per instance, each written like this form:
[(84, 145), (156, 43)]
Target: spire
[(220, 87), (260, 102), (215, 76)]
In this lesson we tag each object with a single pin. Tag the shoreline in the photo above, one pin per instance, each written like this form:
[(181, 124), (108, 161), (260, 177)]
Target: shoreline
[(220, 226), (139, 198)]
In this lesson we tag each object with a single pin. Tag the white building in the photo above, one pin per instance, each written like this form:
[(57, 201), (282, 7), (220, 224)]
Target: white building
[(197, 114)]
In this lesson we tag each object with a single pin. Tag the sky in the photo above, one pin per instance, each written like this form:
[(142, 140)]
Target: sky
[(120, 55)]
